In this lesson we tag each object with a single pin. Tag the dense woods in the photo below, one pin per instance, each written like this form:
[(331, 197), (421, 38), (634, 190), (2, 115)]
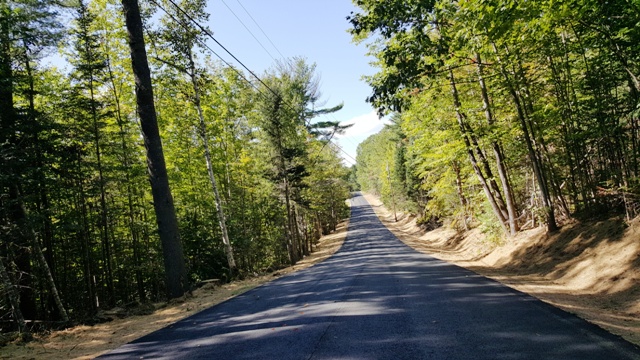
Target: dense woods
[(507, 114), (253, 177)]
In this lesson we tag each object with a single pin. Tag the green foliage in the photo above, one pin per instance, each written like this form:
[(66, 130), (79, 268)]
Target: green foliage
[(379, 171), (560, 116), (72, 142), (353, 178)]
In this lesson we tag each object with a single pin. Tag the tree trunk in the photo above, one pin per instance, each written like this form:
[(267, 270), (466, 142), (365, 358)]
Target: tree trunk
[(290, 230), (533, 155), (46, 262), (502, 172), (474, 163), (301, 231), (563, 98), (83, 239), (43, 203), (104, 220), (8, 144), (463, 200), (175, 269), (43, 264), (491, 181), (12, 294), (202, 130), (291, 235), (126, 161)]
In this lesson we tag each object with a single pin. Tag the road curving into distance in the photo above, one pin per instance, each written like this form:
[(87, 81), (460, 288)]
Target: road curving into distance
[(376, 298)]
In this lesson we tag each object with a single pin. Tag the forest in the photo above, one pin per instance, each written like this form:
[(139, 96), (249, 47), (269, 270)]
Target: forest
[(144, 165), (505, 114)]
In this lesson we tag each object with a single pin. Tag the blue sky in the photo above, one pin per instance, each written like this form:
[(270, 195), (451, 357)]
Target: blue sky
[(313, 29)]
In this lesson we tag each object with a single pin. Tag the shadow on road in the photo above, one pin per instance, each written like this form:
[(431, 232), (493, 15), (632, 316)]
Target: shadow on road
[(378, 299)]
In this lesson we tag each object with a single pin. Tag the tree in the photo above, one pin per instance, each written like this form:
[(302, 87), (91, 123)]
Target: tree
[(547, 91), (26, 29), (184, 39), (291, 91), (162, 200), (414, 52), (90, 74), (80, 230)]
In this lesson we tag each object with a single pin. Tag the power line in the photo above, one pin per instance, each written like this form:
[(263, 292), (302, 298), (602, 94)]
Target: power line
[(245, 26), (210, 49), (342, 137), (259, 27), (285, 59), (346, 153), (345, 137), (205, 31), (208, 33), (334, 144)]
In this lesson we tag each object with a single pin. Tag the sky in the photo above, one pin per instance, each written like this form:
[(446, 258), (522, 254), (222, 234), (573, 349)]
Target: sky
[(315, 30)]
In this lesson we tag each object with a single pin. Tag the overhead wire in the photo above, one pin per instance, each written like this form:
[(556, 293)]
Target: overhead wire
[(222, 59), (279, 52), (248, 30), (208, 33), (205, 45), (210, 49), (346, 153), (259, 27)]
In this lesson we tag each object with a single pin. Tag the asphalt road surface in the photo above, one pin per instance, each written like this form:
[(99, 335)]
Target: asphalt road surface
[(376, 298)]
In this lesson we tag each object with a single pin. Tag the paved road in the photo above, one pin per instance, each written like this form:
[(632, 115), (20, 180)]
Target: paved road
[(378, 299)]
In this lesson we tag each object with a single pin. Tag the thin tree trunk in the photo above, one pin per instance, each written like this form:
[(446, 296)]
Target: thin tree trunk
[(290, 231), (562, 95), (460, 191), (35, 245), (43, 205), (227, 171), (533, 156), (202, 130), (545, 163), (126, 161), (491, 181), (9, 143), (502, 172), (104, 220), (175, 269), (291, 238), (299, 232), (83, 239), (474, 163), (393, 199), (13, 296)]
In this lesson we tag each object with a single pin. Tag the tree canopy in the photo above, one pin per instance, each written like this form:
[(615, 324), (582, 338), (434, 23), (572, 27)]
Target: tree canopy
[(254, 180), (509, 113)]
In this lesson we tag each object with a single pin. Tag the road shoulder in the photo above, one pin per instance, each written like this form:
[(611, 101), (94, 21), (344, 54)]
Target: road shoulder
[(611, 304)]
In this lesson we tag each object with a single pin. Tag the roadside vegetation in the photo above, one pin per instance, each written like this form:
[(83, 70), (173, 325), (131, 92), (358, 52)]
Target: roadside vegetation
[(514, 142), (122, 325), (507, 115), (115, 196)]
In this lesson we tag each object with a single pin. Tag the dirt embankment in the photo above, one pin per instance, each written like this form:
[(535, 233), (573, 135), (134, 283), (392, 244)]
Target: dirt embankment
[(591, 270), (88, 342)]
